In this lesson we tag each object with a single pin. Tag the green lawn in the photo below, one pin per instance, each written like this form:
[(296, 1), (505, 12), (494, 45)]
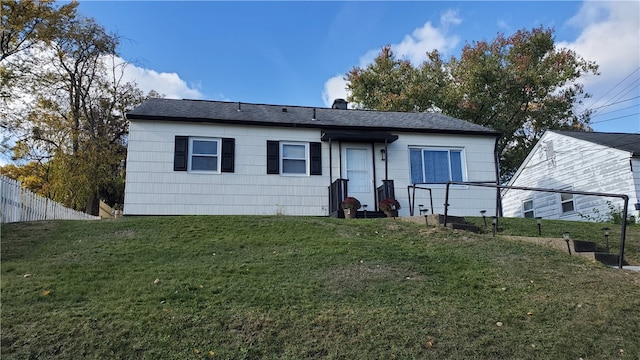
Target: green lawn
[(241, 287)]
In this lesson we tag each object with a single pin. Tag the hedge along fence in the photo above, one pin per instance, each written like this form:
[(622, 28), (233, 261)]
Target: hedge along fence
[(18, 204)]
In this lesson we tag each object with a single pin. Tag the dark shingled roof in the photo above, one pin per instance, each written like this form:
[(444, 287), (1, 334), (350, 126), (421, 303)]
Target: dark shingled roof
[(302, 116), (621, 141)]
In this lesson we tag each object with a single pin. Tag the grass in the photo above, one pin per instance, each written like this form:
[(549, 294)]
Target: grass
[(279, 287)]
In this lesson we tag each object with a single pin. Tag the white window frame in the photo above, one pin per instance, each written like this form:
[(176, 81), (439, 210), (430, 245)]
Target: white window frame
[(463, 161), (571, 200), (218, 154), (525, 211), (283, 158)]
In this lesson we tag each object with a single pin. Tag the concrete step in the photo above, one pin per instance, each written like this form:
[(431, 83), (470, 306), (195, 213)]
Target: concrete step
[(605, 258), (465, 227), (584, 246), (438, 219)]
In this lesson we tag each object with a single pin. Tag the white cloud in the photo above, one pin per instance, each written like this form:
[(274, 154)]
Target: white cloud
[(169, 84), (610, 36), (334, 88), (413, 47)]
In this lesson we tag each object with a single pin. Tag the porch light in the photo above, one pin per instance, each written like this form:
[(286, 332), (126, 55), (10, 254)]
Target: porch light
[(383, 154), (566, 238), (539, 222), (605, 231), (637, 205), (484, 217)]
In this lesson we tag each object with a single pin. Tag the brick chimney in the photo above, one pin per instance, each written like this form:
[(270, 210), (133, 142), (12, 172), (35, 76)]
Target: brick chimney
[(339, 104)]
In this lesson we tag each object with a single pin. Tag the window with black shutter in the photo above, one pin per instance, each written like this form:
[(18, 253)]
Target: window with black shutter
[(181, 153), (202, 154)]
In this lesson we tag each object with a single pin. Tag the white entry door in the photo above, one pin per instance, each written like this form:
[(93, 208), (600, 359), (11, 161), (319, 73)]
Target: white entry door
[(358, 170)]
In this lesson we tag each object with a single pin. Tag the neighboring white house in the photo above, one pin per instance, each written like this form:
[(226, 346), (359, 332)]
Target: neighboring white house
[(213, 157), (578, 161)]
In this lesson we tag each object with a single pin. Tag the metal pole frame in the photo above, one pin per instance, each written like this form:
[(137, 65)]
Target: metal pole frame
[(623, 232)]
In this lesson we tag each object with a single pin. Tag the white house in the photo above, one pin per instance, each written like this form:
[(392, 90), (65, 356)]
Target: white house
[(578, 161), (213, 157)]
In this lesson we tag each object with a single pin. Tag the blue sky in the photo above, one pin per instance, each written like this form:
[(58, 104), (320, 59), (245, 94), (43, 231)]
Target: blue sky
[(296, 53)]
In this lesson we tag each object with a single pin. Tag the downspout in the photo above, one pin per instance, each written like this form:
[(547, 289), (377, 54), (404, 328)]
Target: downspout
[(375, 175), (386, 161), (496, 156), (330, 163)]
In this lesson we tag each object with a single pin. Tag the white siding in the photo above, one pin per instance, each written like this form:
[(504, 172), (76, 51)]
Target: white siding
[(463, 200), (563, 162), (153, 188)]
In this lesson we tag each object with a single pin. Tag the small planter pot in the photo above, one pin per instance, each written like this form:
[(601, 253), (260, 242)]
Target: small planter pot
[(350, 213)]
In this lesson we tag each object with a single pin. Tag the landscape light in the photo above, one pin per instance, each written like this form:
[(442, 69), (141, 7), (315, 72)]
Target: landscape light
[(605, 231), (566, 237), (484, 217)]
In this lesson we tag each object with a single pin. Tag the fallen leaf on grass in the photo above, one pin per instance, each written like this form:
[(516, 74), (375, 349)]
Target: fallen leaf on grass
[(46, 292), (499, 323), (529, 313), (196, 351), (211, 353), (156, 281), (26, 275)]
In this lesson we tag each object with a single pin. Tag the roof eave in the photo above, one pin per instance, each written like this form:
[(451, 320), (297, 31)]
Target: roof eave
[(318, 125)]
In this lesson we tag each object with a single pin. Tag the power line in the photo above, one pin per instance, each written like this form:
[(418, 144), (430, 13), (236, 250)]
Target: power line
[(621, 95), (614, 86), (612, 111), (615, 118), (619, 102)]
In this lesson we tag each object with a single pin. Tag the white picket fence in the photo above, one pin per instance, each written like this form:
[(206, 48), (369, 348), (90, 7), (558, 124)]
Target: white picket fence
[(18, 204)]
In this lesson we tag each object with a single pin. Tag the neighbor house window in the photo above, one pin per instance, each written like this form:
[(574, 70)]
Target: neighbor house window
[(294, 158), (204, 154), (567, 203), (200, 154), (527, 209), (436, 165)]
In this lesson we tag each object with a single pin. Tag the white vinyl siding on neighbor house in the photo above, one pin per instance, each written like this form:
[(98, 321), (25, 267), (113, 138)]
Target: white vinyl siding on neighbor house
[(564, 162)]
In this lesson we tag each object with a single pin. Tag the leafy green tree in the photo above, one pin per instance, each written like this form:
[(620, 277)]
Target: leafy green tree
[(520, 85)]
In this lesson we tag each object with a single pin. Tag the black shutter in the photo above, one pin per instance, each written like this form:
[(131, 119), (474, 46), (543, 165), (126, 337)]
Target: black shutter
[(273, 157), (228, 150), (181, 153), (315, 153)]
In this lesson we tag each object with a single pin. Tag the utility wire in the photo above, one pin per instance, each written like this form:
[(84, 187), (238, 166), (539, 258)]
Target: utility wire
[(615, 118), (612, 111), (619, 102), (612, 88)]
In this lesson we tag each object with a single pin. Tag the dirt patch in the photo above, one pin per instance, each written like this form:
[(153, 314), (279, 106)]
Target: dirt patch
[(128, 233), (360, 275)]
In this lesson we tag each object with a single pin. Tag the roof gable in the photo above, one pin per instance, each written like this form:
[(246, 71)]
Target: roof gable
[(301, 116)]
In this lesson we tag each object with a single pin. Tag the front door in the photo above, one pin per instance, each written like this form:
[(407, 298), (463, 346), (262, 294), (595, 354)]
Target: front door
[(358, 170)]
